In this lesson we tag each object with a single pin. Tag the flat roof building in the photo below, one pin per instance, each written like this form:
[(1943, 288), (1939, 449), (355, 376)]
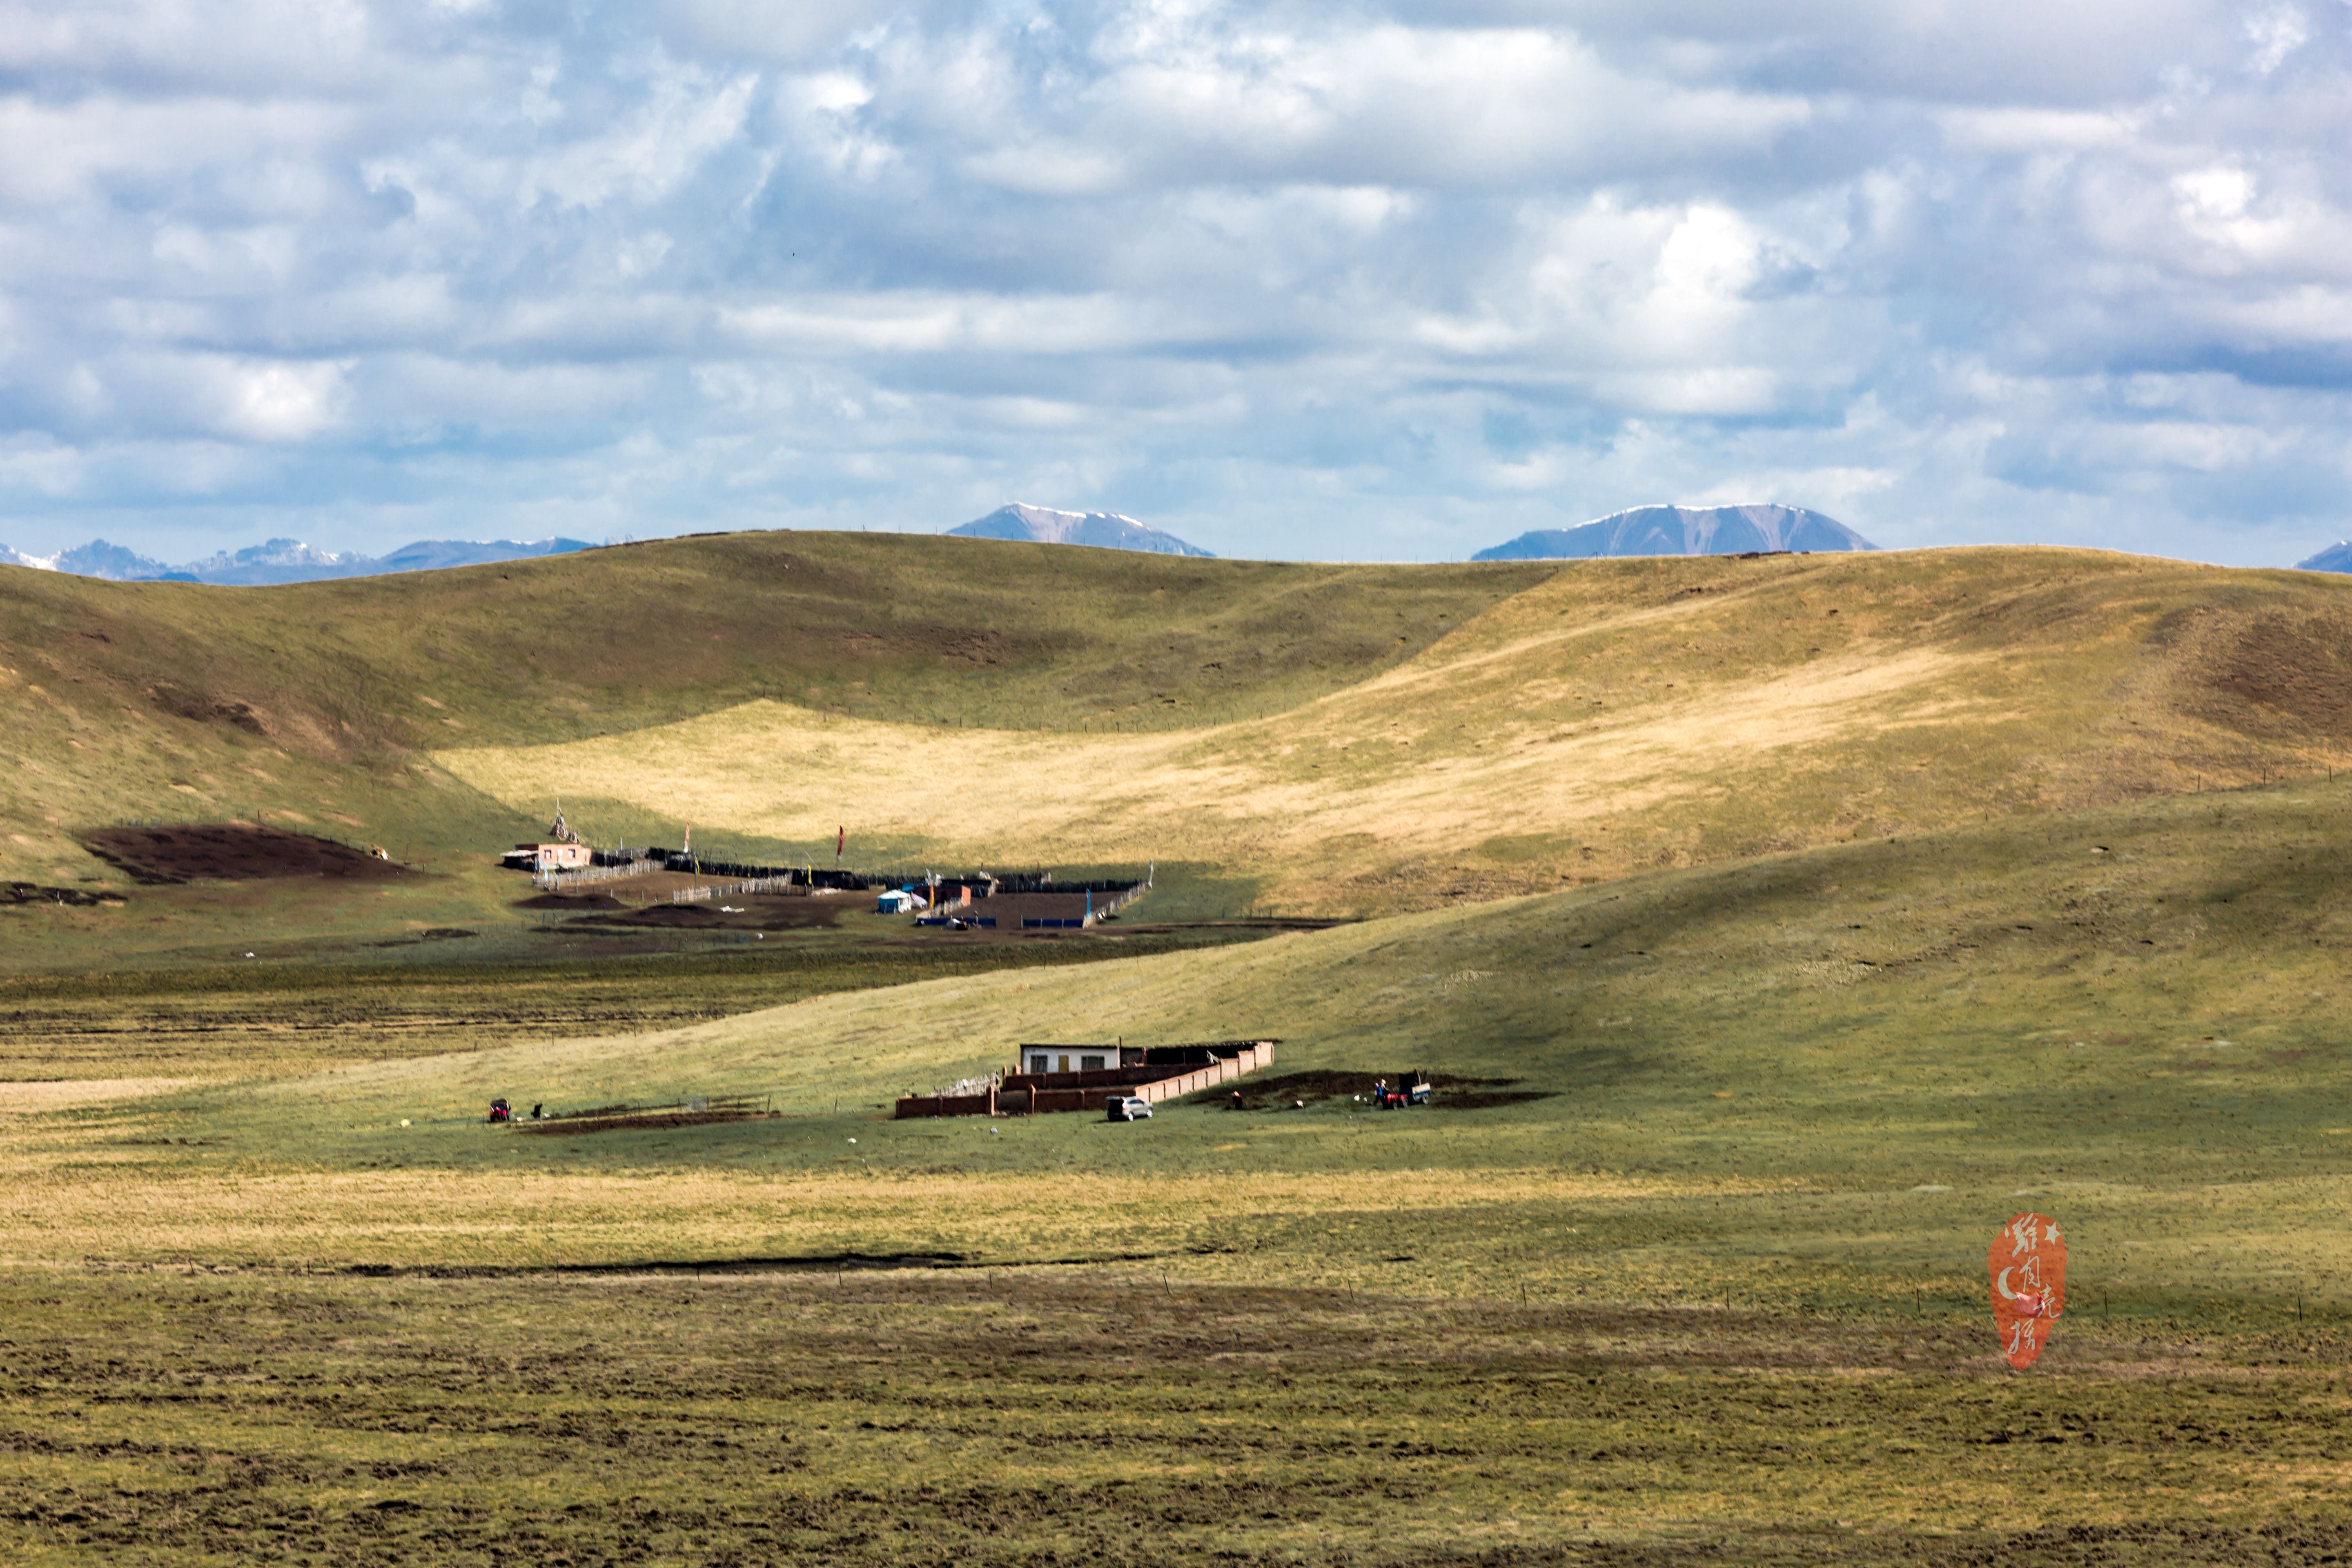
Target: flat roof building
[(548, 856)]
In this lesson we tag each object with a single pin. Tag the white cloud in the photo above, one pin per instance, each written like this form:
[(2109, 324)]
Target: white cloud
[(1725, 389), (2275, 34), (824, 112), (784, 30), (266, 401), (40, 466), (1540, 472), (927, 323), (98, 150), (1835, 490), (1204, 92), (683, 116), (2013, 129), (1286, 278)]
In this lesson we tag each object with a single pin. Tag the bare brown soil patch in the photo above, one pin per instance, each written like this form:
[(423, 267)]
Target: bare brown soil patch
[(572, 903), (571, 1124), (1454, 1091), (232, 852), (746, 911), (2275, 675)]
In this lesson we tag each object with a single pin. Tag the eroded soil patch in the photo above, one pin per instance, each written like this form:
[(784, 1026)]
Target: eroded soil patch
[(737, 911), (232, 852), (628, 1123), (1454, 1090)]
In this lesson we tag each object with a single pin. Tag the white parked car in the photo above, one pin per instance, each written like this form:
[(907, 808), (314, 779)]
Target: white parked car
[(1128, 1107)]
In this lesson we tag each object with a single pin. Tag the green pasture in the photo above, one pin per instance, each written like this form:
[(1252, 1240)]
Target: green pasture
[(1819, 1079), (308, 1000), (1719, 1297), (1085, 1415)]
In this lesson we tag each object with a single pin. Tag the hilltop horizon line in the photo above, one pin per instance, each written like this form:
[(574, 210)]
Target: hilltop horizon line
[(1648, 529)]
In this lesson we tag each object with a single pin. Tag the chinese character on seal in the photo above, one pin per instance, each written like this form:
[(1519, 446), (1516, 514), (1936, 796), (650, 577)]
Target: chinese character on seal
[(2028, 1261)]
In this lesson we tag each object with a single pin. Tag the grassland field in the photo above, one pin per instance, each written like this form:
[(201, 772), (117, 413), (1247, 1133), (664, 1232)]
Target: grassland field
[(1793, 953)]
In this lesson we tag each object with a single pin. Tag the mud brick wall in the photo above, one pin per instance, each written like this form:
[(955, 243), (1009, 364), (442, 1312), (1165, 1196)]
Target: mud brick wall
[(919, 1105)]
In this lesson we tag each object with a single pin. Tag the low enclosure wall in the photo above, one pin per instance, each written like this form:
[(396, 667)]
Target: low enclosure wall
[(1103, 897), (916, 1105), (1035, 1093)]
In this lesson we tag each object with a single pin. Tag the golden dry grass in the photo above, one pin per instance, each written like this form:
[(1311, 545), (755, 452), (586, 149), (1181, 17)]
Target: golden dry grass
[(1618, 716), (1356, 737), (112, 1204), (19, 1098), (1232, 795), (185, 702)]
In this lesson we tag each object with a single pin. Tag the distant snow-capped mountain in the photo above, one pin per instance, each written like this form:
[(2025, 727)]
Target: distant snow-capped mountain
[(279, 561), (1104, 529), (112, 561), (284, 561), (2337, 557), (1683, 531)]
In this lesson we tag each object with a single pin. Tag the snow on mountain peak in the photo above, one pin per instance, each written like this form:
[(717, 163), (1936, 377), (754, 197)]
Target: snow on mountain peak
[(1047, 525)]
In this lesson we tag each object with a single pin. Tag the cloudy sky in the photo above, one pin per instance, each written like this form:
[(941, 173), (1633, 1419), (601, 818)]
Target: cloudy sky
[(1391, 281)]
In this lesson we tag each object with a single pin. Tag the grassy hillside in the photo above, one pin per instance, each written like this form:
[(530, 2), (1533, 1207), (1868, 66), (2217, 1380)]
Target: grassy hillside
[(1616, 717), (1355, 737), (316, 701)]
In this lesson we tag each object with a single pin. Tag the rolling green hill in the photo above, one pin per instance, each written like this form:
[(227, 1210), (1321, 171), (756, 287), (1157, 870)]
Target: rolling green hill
[(1347, 739), (1614, 717), (322, 702)]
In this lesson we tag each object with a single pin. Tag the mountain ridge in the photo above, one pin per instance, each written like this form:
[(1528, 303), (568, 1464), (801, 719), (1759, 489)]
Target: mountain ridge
[(283, 560), (1100, 529), (1764, 527)]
